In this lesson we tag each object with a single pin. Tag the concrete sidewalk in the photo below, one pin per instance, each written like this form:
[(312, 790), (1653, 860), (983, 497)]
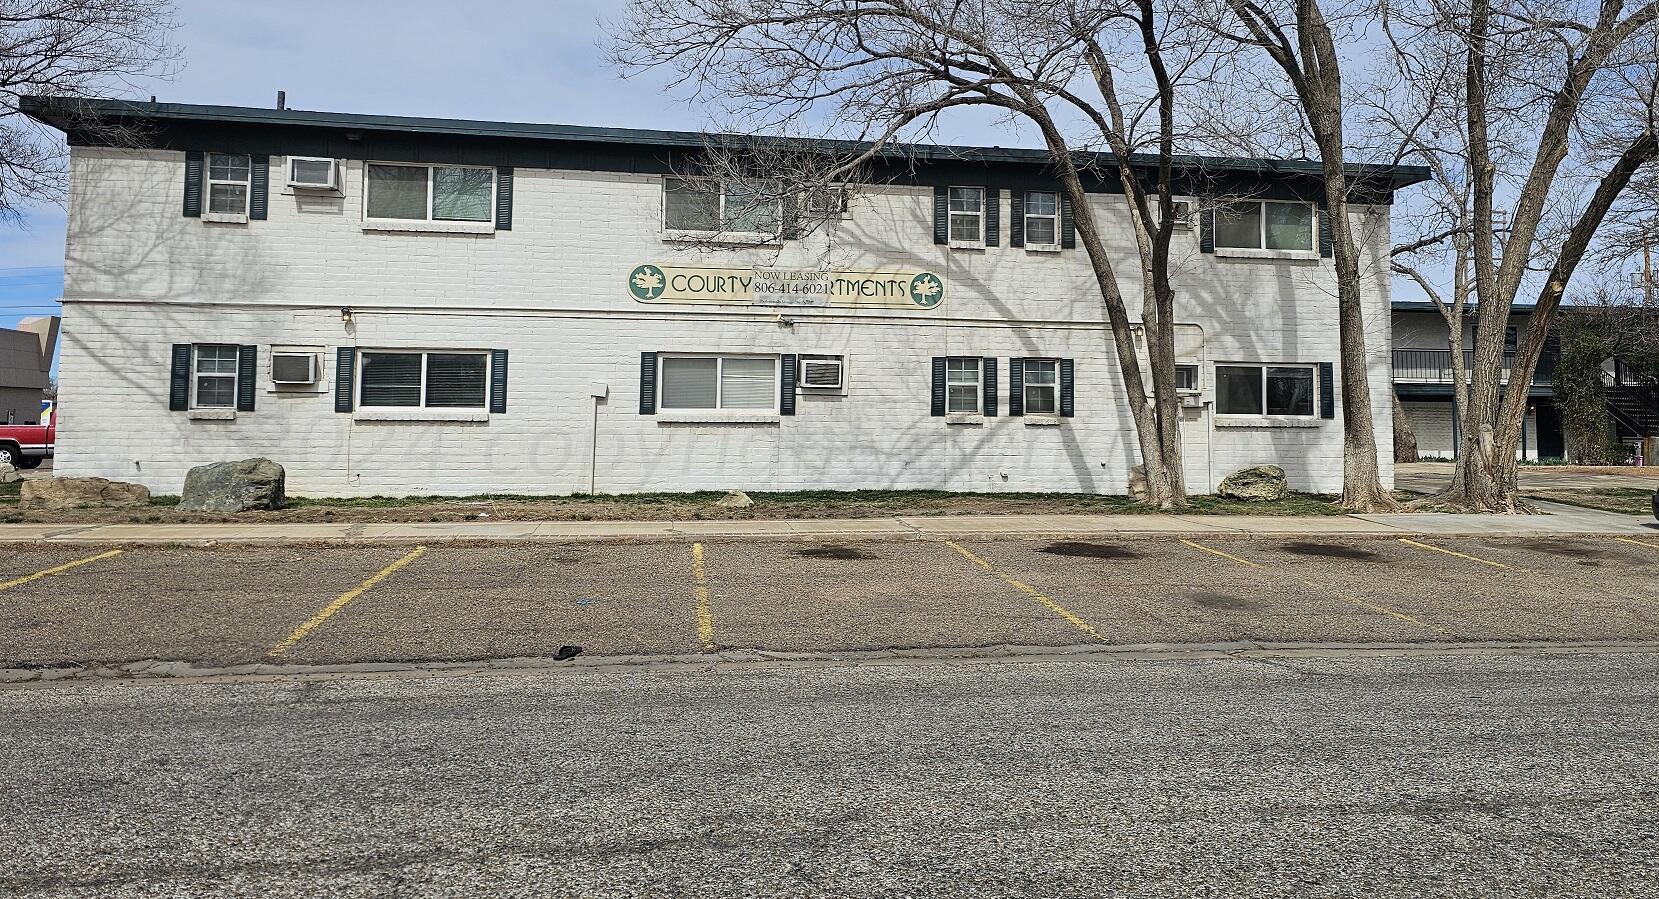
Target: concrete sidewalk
[(1561, 521)]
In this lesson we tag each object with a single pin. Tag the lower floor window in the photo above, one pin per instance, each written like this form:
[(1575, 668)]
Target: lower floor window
[(215, 376), (720, 382), (433, 380), (1042, 386), (962, 385), (1264, 390)]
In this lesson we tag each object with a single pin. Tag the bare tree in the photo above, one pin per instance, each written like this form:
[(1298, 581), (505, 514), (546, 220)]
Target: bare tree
[(1549, 106), (1087, 75), (68, 48)]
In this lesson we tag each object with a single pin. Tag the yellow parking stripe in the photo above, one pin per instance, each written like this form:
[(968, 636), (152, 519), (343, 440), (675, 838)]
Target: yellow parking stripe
[(338, 604), (1450, 552), (1637, 542), (705, 617), (15, 582), (1320, 588), (1030, 591)]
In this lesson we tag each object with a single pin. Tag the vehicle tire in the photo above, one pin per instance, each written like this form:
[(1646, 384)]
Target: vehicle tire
[(28, 463), (10, 455)]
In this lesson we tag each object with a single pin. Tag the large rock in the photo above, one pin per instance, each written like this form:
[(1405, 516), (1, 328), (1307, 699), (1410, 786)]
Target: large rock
[(233, 487), (46, 494), (736, 499), (1260, 483)]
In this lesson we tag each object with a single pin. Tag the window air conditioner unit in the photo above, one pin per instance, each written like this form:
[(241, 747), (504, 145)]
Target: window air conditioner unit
[(293, 368), (313, 173), (1183, 213), (821, 372)]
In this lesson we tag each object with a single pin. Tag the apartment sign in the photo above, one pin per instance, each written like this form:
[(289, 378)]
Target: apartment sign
[(650, 283)]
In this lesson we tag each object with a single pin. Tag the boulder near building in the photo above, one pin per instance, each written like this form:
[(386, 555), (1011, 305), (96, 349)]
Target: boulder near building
[(399, 305)]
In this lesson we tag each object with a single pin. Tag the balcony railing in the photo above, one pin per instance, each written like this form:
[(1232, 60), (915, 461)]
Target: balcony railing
[(1435, 366)]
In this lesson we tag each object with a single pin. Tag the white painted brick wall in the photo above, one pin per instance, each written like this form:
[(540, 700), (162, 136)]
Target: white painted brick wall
[(141, 277)]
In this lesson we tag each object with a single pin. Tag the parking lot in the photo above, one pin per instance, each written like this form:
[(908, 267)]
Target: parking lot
[(337, 604)]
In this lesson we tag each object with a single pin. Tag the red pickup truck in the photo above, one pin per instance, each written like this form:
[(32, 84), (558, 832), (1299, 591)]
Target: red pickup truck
[(26, 446)]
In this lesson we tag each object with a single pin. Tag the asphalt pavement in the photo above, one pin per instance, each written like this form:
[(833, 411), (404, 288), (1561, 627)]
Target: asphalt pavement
[(1325, 775)]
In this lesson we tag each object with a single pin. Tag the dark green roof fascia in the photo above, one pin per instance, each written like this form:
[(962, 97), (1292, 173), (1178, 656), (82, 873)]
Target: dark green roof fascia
[(60, 112)]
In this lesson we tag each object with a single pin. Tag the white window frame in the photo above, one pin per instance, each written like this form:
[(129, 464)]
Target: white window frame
[(424, 352), (841, 195), (1197, 375), (288, 173), (208, 181), (1264, 250), (1025, 204), (800, 371), (721, 233), (719, 384), (429, 223), (950, 214), (1026, 386), (196, 375), (1263, 415), (978, 384)]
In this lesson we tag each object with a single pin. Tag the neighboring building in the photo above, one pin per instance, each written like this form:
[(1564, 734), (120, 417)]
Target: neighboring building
[(393, 306), (26, 368), (1423, 381)]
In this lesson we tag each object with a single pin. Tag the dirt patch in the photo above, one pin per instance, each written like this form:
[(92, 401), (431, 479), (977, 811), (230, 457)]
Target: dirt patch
[(1081, 550), (1559, 548), (839, 553), (1221, 602), (1332, 551)]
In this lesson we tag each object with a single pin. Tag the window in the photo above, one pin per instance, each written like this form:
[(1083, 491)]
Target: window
[(706, 205), (1042, 218), (312, 173), (719, 382), (1042, 386), (1266, 224), (424, 380), (967, 214), (1186, 377), (962, 394), (825, 201), (227, 183), (1264, 390), (215, 376), (430, 193)]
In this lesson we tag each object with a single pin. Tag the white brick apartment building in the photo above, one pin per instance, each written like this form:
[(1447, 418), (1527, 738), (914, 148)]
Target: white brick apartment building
[(397, 306)]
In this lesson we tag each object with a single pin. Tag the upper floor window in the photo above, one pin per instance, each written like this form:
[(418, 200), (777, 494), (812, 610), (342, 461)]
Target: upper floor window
[(1265, 225), (1042, 386), (719, 382), (431, 193), (1042, 218), (1186, 377), (967, 215), (1264, 390), (214, 378), (711, 206), (228, 175), (429, 380)]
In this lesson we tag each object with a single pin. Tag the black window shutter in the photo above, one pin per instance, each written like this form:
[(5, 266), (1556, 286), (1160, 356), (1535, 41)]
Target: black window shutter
[(178, 390), (1206, 230), (1016, 218), (786, 384), (1016, 386), (504, 198), (938, 392), (941, 217), (498, 382), (988, 372), (1327, 390), (345, 374), (1068, 394), (1325, 233), (247, 372), (993, 216), (193, 183), (648, 383), (1068, 223), (259, 187)]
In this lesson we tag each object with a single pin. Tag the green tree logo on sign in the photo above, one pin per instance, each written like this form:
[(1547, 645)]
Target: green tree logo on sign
[(646, 282), (926, 290)]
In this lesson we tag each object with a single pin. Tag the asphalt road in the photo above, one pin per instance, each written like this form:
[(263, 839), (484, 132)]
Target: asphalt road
[(352, 604), (1439, 775)]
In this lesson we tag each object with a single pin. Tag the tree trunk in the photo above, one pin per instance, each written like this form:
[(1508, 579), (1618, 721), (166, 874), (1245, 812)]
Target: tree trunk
[(1405, 439)]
